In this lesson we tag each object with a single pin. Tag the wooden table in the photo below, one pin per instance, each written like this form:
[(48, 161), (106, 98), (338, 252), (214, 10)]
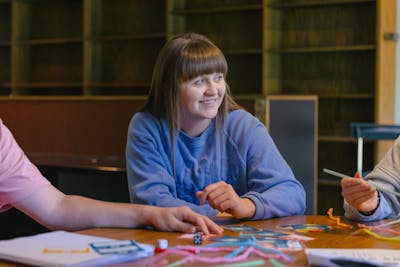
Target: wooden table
[(338, 237)]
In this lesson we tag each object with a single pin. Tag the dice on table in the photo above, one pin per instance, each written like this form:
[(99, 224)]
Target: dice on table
[(197, 239)]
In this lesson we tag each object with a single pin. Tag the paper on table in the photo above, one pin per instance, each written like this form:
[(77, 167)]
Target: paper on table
[(383, 257), (60, 248)]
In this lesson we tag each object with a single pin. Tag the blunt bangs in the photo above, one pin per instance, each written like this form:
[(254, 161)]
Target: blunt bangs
[(200, 58)]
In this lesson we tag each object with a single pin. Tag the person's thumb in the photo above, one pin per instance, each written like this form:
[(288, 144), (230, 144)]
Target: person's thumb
[(357, 175)]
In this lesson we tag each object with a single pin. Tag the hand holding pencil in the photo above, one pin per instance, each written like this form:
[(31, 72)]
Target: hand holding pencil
[(359, 193)]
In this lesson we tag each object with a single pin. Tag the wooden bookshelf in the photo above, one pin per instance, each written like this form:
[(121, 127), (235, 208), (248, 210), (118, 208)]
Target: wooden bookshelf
[(123, 43), (47, 48)]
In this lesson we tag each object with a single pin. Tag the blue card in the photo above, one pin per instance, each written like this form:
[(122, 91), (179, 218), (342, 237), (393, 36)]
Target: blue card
[(241, 228), (303, 228), (230, 239), (269, 233)]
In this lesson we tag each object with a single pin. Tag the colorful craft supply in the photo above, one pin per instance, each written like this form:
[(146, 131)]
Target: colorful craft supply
[(381, 237), (238, 251), (245, 264), (155, 261), (379, 229), (275, 263), (337, 219)]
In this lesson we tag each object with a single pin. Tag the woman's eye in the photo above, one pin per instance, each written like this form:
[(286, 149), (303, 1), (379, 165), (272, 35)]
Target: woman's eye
[(219, 77), (199, 81)]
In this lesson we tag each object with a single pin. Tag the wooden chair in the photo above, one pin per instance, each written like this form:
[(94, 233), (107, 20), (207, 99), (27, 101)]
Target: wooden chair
[(371, 131)]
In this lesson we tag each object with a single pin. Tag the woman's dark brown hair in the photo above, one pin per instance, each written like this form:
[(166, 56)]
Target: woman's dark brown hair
[(183, 58)]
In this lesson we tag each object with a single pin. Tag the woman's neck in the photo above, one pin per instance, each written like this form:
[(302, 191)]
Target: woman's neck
[(195, 129)]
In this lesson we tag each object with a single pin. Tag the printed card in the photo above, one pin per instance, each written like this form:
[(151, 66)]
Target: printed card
[(116, 247), (304, 228), (231, 239), (280, 244), (241, 228)]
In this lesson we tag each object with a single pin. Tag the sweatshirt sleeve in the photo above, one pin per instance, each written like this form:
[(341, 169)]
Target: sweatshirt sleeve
[(270, 181), (149, 171), (387, 175)]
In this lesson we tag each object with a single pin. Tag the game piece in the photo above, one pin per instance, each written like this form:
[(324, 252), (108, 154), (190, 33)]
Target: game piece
[(197, 239), (162, 245)]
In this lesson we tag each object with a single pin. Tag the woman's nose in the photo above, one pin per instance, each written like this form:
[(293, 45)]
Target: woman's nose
[(211, 88)]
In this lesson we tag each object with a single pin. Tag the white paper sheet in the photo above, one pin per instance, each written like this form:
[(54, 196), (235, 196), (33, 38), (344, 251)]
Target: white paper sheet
[(380, 257), (60, 248)]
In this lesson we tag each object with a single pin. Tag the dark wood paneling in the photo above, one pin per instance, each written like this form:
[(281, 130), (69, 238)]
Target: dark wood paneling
[(69, 126)]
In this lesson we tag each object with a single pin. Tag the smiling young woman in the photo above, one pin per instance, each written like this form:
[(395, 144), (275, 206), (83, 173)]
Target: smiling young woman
[(192, 145)]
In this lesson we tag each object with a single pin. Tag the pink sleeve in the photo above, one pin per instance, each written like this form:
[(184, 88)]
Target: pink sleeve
[(19, 178)]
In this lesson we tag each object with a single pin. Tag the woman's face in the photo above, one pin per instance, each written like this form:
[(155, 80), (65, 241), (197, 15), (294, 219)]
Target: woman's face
[(201, 97)]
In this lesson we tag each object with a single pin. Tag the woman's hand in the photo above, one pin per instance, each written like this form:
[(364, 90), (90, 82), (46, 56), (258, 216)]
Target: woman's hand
[(359, 193), (181, 219), (222, 196)]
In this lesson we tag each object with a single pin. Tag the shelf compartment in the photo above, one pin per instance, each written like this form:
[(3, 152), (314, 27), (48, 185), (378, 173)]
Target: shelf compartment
[(5, 22), (47, 89), (334, 96), (348, 25), (5, 70), (50, 41), (129, 62), (341, 74), (128, 17), (49, 19), (5, 48), (243, 74), (50, 63), (329, 196), (5, 90), (342, 157), (187, 5), (236, 31), (118, 89), (347, 96), (324, 49), (339, 139), (218, 9), (315, 3), (335, 115), (130, 37)]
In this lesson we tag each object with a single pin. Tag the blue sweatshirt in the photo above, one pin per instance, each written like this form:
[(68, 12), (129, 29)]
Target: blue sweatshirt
[(244, 156)]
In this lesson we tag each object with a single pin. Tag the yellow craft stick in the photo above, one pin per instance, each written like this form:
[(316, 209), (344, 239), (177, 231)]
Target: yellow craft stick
[(397, 238), (337, 219)]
